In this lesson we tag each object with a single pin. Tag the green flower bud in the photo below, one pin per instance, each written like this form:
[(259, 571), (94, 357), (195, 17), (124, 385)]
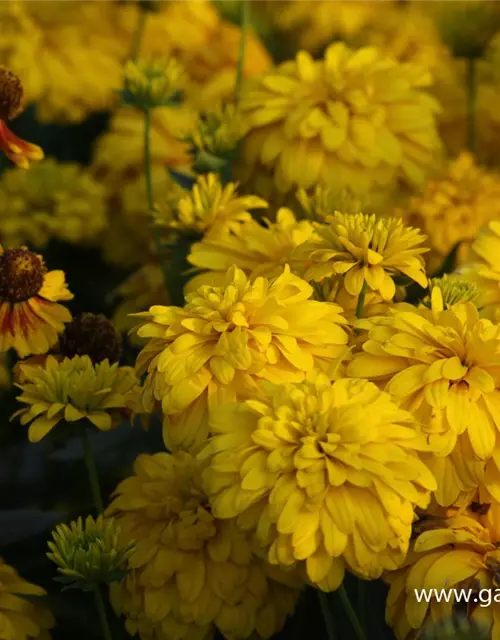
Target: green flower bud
[(153, 83), (453, 289)]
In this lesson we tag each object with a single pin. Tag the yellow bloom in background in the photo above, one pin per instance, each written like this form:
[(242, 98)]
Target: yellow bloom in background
[(443, 366), (325, 474), (74, 389), (208, 208), (30, 317), (51, 201), (200, 573), (316, 23), (457, 552), (484, 269), (66, 54), (453, 207), (363, 248), (22, 618), (256, 249), (228, 338), (355, 119)]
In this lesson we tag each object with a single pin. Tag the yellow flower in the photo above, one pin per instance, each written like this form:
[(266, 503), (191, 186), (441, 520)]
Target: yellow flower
[(89, 552), (443, 366), (364, 248), (484, 270), (72, 390), (152, 83), (68, 55), (326, 475), (316, 24), (20, 618), (30, 316), (454, 207), (355, 119), (452, 288), (208, 208), (453, 553), (225, 340), (52, 200), (255, 249), (200, 573)]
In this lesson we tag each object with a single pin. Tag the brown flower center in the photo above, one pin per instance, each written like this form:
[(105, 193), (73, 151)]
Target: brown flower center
[(21, 275), (92, 335), (11, 94)]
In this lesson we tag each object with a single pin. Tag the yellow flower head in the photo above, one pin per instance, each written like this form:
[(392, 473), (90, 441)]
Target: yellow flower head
[(89, 552), (354, 119), (30, 316), (364, 248), (21, 618), (74, 389), (322, 202), (52, 200), (255, 249), (225, 340), (453, 553), (451, 289), (466, 26), (443, 366), (326, 474), (455, 206), (152, 83), (208, 207), (484, 270), (200, 573)]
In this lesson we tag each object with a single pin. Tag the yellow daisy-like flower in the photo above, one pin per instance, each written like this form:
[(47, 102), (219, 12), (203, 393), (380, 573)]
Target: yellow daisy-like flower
[(225, 339), (255, 249), (453, 553), (67, 54), (326, 474), (30, 316), (21, 618), (200, 573), (52, 200), (355, 119), (443, 366), (74, 389), (364, 248), (208, 208), (454, 207), (484, 270)]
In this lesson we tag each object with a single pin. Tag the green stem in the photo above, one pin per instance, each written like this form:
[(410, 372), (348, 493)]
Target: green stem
[(471, 104), (150, 195), (139, 31), (327, 614), (101, 610), (351, 614), (244, 25), (92, 472), (361, 300)]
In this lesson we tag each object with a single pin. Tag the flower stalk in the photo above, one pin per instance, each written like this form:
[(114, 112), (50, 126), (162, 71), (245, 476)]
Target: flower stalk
[(327, 614), (351, 614), (101, 610), (92, 472), (244, 26), (471, 103), (361, 300)]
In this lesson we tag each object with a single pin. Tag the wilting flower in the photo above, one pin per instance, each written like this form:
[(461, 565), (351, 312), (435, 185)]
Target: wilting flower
[(11, 97), (72, 390), (90, 552), (256, 249), (30, 316), (225, 339), (92, 335), (208, 207), (453, 553), (363, 248), (326, 475), (454, 207), (21, 618), (152, 83), (484, 269), (442, 365), (200, 573), (355, 119), (52, 200)]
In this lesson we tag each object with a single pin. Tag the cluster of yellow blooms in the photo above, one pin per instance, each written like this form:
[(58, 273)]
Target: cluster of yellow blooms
[(329, 388)]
